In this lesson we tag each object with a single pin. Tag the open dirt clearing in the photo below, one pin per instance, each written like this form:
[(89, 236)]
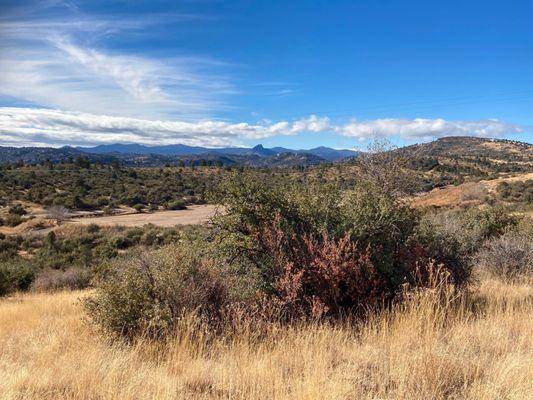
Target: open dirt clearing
[(196, 214)]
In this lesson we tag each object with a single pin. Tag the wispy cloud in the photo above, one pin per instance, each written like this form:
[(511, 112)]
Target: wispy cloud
[(30, 127), (59, 61)]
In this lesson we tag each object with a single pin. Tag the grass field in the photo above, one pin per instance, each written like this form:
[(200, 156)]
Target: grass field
[(476, 347)]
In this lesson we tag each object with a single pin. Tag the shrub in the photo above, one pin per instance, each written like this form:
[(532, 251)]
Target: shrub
[(17, 209), (122, 242), (320, 276), (509, 256), (93, 228), (72, 278), (487, 223), (518, 191), (15, 274), (102, 201), (458, 234), (138, 207), (309, 242), (9, 246), (176, 205), (147, 293), (13, 220)]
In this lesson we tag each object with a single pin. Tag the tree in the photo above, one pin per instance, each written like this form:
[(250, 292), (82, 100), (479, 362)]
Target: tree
[(115, 164)]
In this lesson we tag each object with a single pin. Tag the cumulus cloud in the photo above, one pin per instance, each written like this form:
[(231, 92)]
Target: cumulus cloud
[(28, 126), (31, 127), (425, 129), (312, 124)]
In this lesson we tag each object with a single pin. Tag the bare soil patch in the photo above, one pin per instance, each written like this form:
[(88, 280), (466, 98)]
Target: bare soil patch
[(193, 215)]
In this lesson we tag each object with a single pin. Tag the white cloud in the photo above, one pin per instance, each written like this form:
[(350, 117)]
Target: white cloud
[(312, 124), (60, 62), (31, 127), (425, 129)]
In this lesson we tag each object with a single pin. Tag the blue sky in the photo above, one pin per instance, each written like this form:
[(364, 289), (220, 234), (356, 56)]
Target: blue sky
[(291, 73)]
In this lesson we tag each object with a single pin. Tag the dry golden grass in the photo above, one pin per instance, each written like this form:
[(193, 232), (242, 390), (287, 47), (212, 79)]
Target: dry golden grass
[(464, 194), (476, 347)]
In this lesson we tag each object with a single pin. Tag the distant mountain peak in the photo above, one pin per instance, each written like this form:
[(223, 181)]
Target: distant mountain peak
[(261, 151)]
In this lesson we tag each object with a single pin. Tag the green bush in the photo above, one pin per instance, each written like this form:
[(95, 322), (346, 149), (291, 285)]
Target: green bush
[(15, 274), (13, 220), (176, 205), (138, 207), (9, 246), (147, 293), (462, 232), (17, 210), (518, 191), (454, 236), (281, 230), (93, 228)]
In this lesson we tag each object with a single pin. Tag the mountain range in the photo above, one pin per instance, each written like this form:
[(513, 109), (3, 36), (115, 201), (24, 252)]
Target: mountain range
[(134, 154), (325, 153), (448, 150)]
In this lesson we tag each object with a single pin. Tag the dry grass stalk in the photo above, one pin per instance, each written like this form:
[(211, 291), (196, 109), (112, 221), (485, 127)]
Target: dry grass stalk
[(468, 347)]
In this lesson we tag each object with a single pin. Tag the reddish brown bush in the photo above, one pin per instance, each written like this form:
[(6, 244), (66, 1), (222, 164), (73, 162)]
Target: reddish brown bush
[(320, 276)]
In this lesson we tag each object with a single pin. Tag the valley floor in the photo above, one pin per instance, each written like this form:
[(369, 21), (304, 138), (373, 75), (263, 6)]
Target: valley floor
[(477, 347)]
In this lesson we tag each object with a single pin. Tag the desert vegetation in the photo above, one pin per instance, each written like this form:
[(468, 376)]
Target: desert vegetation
[(68, 258), (296, 288), (95, 186)]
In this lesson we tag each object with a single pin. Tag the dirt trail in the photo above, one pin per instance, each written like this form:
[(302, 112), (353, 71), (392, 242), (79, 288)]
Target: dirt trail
[(195, 214)]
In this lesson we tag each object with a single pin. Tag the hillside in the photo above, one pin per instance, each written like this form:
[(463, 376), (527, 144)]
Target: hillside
[(466, 146), (454, 160), (478, 153), (443, 160), (36, 155), (485, 191)]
